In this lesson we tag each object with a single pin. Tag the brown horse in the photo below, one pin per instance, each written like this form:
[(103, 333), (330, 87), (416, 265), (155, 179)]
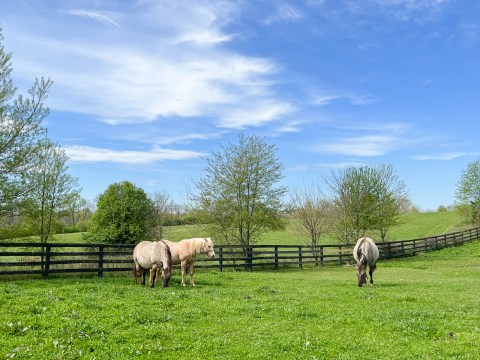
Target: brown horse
[(366, 253), (153, 256), (185, 252)]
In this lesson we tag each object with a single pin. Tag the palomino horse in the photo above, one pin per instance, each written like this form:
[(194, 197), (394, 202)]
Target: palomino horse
[(366, 253), (185, 252), (153, 256)]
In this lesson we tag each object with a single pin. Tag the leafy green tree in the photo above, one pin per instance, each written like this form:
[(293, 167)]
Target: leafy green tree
[(20, 133), (467, 195), (54, 188), (124, 215), (365, 199), (239, 194)]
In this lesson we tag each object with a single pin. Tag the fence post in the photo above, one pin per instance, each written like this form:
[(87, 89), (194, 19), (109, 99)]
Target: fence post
[(46, 266), (220, 260), (100, 261), (300, 257), (276, 258), (340, 255), (250, 258)]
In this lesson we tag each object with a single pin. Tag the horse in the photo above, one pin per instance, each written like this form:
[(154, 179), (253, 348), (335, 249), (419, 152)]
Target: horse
[(153, 256), (366, 253), (185, 252)]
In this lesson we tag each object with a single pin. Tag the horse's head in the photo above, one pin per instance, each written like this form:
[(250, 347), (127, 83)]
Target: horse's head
[(361, 273), (208, 247), (166, 274)]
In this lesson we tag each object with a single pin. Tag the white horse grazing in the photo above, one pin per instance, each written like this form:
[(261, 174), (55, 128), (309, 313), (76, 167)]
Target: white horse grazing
[(153, 256), (185, 252), (366, 253)]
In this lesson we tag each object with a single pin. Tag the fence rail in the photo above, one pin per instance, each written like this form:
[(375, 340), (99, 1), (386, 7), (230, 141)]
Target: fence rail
[(55, 258)]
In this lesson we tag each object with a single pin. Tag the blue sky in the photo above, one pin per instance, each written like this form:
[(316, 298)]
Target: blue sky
[(144, 90)]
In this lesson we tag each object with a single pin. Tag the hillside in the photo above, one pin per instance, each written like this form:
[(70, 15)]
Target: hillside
[(413, 225)]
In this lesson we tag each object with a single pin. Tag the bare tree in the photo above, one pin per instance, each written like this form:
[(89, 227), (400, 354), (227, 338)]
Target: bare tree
[(164, 209), (311, 216)]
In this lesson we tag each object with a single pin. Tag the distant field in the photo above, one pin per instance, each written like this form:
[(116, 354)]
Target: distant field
[(423, 307), (413, 226)]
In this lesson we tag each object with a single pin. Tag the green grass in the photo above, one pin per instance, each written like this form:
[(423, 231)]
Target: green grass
[(424, 307)]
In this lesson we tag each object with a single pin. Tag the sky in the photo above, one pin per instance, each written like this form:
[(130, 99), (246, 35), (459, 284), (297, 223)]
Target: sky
[(145, 91)]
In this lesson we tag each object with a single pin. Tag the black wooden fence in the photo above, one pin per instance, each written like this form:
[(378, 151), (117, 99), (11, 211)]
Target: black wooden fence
[(55, 258)]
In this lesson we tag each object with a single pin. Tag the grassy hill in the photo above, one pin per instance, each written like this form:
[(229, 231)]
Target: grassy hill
[(413, 226)]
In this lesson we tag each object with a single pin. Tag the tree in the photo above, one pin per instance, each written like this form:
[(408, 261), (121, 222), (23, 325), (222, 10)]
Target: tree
[(76, 209), (163, 208), (239, 194), (54, 187), (124, 215), (311, 215), (467, 194), (20, 133), (368, 198)]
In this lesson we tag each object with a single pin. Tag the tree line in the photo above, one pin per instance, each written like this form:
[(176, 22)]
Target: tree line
[(239, 197)]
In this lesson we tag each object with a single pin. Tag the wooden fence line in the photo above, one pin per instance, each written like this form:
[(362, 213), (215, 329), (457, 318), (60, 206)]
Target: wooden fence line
[(55, 258)]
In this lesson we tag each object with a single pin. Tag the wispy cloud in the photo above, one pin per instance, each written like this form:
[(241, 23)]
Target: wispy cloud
[(354, 99), (146, 77), (285, 13), (368, 139), (256, 115), (104, 17), (368, 145), (443, 156), (405, 10), (89, 154)]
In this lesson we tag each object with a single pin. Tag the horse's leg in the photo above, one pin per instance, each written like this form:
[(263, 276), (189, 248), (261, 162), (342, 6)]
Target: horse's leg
[(183, 265), (143, 277), (190, 265), (153, 275), (372, 269)]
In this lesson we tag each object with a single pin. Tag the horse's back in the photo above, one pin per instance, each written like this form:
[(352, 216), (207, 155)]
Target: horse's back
[(367, 247), (147, 253)]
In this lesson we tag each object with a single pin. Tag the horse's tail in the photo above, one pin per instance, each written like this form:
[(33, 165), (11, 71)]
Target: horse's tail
[(168, 256), (362, 258)]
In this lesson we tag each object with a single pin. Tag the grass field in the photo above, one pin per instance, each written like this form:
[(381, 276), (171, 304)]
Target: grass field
[(424, 307)]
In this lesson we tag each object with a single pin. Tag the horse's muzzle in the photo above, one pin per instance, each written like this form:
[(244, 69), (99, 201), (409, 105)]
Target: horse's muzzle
[(212, 254)]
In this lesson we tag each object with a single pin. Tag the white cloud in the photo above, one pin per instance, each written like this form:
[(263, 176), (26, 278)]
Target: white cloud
[(443, 156), (89, 154), (405, 10), (354, 99), (256, 115), (129, 75), (368, 145), (104, 17), (285, 13)]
